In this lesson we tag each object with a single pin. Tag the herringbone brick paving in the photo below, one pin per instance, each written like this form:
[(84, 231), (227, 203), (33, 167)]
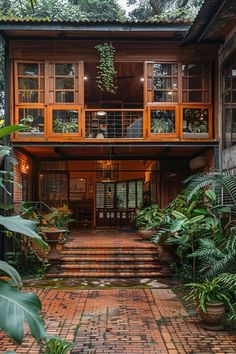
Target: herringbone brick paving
[(131, 321)]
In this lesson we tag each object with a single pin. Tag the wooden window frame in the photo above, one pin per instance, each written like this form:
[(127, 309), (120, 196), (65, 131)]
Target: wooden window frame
[(164, 136), (210, 121), (78, 83), (63, 136), (18, 135), (202, 90), (145, 86), (16, 88)]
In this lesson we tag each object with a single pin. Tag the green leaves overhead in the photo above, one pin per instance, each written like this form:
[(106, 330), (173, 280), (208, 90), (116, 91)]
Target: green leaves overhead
[(106, 69), (15, 309)]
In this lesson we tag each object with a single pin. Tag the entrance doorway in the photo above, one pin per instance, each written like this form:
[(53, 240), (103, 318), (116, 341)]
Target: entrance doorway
[(101, 194)]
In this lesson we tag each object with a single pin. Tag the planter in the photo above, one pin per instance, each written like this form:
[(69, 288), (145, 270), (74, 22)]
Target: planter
[(146, 234), (53, 237), (212, 319)]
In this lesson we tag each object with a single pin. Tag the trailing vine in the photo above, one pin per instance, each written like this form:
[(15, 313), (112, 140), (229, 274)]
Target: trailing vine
[(106, 69)]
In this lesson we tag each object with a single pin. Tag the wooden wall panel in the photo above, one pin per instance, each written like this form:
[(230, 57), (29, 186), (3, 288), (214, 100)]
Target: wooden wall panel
[(125, 51)]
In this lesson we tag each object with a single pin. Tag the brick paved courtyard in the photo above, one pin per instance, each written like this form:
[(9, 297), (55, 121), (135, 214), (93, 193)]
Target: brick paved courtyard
[(124, 320)]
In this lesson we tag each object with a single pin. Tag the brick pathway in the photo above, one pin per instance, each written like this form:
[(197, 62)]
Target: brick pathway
[(138, 321)]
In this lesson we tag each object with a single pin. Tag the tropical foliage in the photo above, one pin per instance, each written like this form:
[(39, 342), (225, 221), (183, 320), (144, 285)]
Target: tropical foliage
[(105, 68), (220, 289)]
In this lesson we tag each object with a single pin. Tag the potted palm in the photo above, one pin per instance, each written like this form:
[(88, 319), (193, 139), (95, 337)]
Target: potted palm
[(213, 298)]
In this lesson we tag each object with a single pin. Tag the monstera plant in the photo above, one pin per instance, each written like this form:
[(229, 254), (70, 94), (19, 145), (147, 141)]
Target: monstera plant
[(16, 307)]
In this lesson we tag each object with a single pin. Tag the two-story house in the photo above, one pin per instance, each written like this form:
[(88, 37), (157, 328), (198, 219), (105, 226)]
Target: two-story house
[(104, 154)]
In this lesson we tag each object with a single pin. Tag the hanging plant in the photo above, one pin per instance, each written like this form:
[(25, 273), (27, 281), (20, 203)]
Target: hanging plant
[(106, 69)]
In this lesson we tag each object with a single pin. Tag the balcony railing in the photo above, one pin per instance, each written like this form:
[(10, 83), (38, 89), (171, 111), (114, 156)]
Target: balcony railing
[(164, 123), (113, 124)]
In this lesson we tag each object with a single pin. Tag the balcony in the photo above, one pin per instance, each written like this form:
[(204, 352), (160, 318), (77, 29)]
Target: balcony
[(154, 123)]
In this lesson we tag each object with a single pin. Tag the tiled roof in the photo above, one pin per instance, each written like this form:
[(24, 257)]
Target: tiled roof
[(59, 21), (204, 16)]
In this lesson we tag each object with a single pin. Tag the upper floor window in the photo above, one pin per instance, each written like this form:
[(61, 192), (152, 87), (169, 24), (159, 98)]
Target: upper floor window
[(196, 83), (63, 83), (229, 102), (162, 82), (30, 83)]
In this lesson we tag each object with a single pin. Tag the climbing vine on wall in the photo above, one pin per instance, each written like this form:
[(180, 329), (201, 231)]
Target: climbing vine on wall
[(106, 69)]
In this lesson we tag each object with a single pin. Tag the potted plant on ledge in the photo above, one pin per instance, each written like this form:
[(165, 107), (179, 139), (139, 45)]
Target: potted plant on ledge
[(214, 299)]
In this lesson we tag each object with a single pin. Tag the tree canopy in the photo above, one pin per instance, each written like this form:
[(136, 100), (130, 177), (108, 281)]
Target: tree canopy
[(164, 9), (63, 9)]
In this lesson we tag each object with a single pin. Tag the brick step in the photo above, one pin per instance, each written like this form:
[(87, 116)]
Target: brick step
[(115, 267), (148, 246), (108, 258), (106, 251), (107, 274)]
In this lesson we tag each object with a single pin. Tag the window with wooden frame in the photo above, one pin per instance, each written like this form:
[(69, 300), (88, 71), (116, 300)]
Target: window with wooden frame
[(63, 83), (29, 83), (64, 120), (229, 101), (196, 83), (34, 118), (162, 82), (196, 122), (163, 121)]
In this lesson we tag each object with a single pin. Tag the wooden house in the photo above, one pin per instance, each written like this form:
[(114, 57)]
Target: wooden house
[(105, 154)]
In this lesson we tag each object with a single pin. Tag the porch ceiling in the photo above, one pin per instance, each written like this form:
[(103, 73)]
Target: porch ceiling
[(114, 152)]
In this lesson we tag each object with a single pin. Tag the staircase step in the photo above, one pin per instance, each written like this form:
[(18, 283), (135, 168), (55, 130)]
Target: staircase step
[(130, 267), (110, 252), (107, 274), (108, 258)]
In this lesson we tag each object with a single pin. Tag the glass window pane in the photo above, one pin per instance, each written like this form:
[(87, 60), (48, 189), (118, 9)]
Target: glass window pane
[(195, 96), (234, 126), (65, 121), (228, 127), (195, 70), (234, 96), (65, 96), (34, 119), (195, 83), (132, 194), (163, 96), (162, 121), (121, 196), (27, 83), (28, 97), (162, 83), (28, 69), (195, 122), (64, 69), (162, 69), (139, 193), (62, 83)]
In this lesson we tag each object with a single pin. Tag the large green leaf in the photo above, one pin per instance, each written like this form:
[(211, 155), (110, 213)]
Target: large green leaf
[(11, 129), (22, 226), (16, 308), (9, 270)]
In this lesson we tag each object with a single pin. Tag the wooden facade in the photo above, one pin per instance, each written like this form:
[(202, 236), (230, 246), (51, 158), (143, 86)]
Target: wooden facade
[(196, 92), (163, 115)]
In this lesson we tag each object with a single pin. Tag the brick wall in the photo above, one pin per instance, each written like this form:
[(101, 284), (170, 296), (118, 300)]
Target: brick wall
[(24, 166)]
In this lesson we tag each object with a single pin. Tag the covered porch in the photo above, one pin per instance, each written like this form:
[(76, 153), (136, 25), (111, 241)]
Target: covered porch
[(104, 184)]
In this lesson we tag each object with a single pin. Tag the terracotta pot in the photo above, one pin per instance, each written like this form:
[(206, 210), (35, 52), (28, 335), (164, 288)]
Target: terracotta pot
[(146, 234), (212, 319)]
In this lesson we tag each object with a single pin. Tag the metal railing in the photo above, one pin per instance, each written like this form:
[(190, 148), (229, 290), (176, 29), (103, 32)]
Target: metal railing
[(114, 124)]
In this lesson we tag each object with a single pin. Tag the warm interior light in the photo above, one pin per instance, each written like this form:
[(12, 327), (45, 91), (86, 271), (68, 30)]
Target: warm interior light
[(101, 113), (169, 93), (85, 77), (142, 79), (27, 167)]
